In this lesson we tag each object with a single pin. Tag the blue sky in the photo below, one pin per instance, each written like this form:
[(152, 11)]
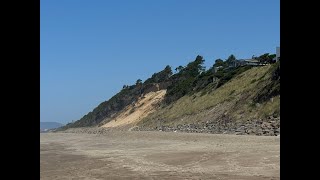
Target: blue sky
[(91, 48)]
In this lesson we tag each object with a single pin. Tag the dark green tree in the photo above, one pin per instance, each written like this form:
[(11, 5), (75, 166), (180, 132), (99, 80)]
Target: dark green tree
[(263, 58), (161, 76), (270, 58), (139, 86), (138, 82), (167, 72), (196, 67), (179, 68), (266, 58), (231, 60), (218, 62)]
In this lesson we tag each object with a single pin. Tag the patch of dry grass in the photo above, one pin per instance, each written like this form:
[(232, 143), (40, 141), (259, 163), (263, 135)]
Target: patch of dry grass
[(245, 83)]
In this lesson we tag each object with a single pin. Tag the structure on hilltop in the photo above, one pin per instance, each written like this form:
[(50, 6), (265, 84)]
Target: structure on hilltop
[(277, 54)]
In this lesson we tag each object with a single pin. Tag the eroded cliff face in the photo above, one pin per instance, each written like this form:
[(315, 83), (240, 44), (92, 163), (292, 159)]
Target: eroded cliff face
[(135, 112)]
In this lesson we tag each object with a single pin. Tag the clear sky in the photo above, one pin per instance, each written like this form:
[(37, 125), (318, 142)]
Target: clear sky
[(91, 48)]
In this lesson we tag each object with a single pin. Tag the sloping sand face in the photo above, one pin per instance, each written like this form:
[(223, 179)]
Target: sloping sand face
[(132, 114), (158, 155)]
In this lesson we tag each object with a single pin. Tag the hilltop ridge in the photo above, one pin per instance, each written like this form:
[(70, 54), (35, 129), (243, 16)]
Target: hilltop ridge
[(230, 97)]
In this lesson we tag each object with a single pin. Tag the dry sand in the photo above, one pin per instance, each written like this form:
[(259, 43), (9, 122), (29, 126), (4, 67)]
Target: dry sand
[(132, 114), (158, 155)]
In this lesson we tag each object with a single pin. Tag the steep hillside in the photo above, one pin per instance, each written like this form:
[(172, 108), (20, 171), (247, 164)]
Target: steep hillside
[(226, 98), (107, 110), (133, 113), (250, 98)]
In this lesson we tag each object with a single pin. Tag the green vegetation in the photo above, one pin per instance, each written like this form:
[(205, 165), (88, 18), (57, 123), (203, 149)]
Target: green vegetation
[(242, 92), (271, 89), (231, 59), (236, 98), (128, 95), (183, 81), (266, 58), (161, 76), (194, 78)]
